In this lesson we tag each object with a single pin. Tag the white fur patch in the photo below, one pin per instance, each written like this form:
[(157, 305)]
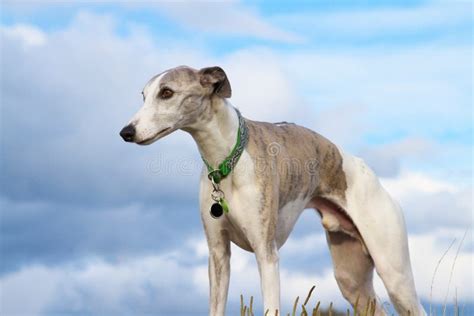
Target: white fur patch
[(145, 120), (287, 217)]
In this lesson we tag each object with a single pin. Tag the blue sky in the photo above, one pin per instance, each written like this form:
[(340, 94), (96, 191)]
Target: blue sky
[(93, 226)]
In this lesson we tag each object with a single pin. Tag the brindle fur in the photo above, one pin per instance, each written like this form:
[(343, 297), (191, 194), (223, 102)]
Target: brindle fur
[(299, 150), (297, 161)]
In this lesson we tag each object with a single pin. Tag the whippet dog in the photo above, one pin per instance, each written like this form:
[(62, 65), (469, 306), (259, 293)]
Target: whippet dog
[(257, 180)]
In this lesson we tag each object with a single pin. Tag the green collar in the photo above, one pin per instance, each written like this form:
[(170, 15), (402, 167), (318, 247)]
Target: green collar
[(225, 167)]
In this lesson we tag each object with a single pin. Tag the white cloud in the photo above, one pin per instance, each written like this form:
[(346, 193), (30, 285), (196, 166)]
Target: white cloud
[(38, 284), (371, 96), (409, 183), (342, 122), (261, 86), (385, 159), (427, 249), (153, 283), (430, 203), (306, 244), (227, 18), (411, 84), (216, 18), (27, 34), (156, 283)]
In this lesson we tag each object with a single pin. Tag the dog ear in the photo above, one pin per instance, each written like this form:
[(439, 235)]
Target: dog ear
[(216, 78)]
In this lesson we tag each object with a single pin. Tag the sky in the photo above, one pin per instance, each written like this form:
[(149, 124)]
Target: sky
[(90, 225)]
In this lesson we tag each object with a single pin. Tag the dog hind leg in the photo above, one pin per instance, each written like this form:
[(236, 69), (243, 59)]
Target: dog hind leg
[(388, 246), (353, 270), (380, 222)]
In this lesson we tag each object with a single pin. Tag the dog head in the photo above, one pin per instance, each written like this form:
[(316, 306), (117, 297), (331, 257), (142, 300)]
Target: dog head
[(175, 99)]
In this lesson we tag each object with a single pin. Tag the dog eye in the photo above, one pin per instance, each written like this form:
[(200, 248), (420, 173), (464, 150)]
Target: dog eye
[(143, 95), (166, 93)]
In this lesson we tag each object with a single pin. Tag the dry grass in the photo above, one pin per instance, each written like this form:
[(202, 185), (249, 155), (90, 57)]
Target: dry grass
[(305, 310), (317, 310)]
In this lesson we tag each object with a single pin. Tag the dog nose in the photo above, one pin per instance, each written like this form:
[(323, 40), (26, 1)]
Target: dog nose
[(128, 133)]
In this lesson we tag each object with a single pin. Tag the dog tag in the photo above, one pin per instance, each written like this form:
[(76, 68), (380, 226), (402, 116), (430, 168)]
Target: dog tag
[(225, 206), (217, 210)]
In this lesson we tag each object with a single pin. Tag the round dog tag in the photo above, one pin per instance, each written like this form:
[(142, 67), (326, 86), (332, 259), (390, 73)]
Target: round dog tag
[(216, 210)]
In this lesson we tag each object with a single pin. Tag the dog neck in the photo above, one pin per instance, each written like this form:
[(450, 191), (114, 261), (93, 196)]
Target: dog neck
[(216, 134)]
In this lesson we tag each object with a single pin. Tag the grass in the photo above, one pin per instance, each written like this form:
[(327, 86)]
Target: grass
[(305, 310)]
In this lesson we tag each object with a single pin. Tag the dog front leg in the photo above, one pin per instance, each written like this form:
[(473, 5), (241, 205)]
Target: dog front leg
[(219, 273), (268, 262)]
